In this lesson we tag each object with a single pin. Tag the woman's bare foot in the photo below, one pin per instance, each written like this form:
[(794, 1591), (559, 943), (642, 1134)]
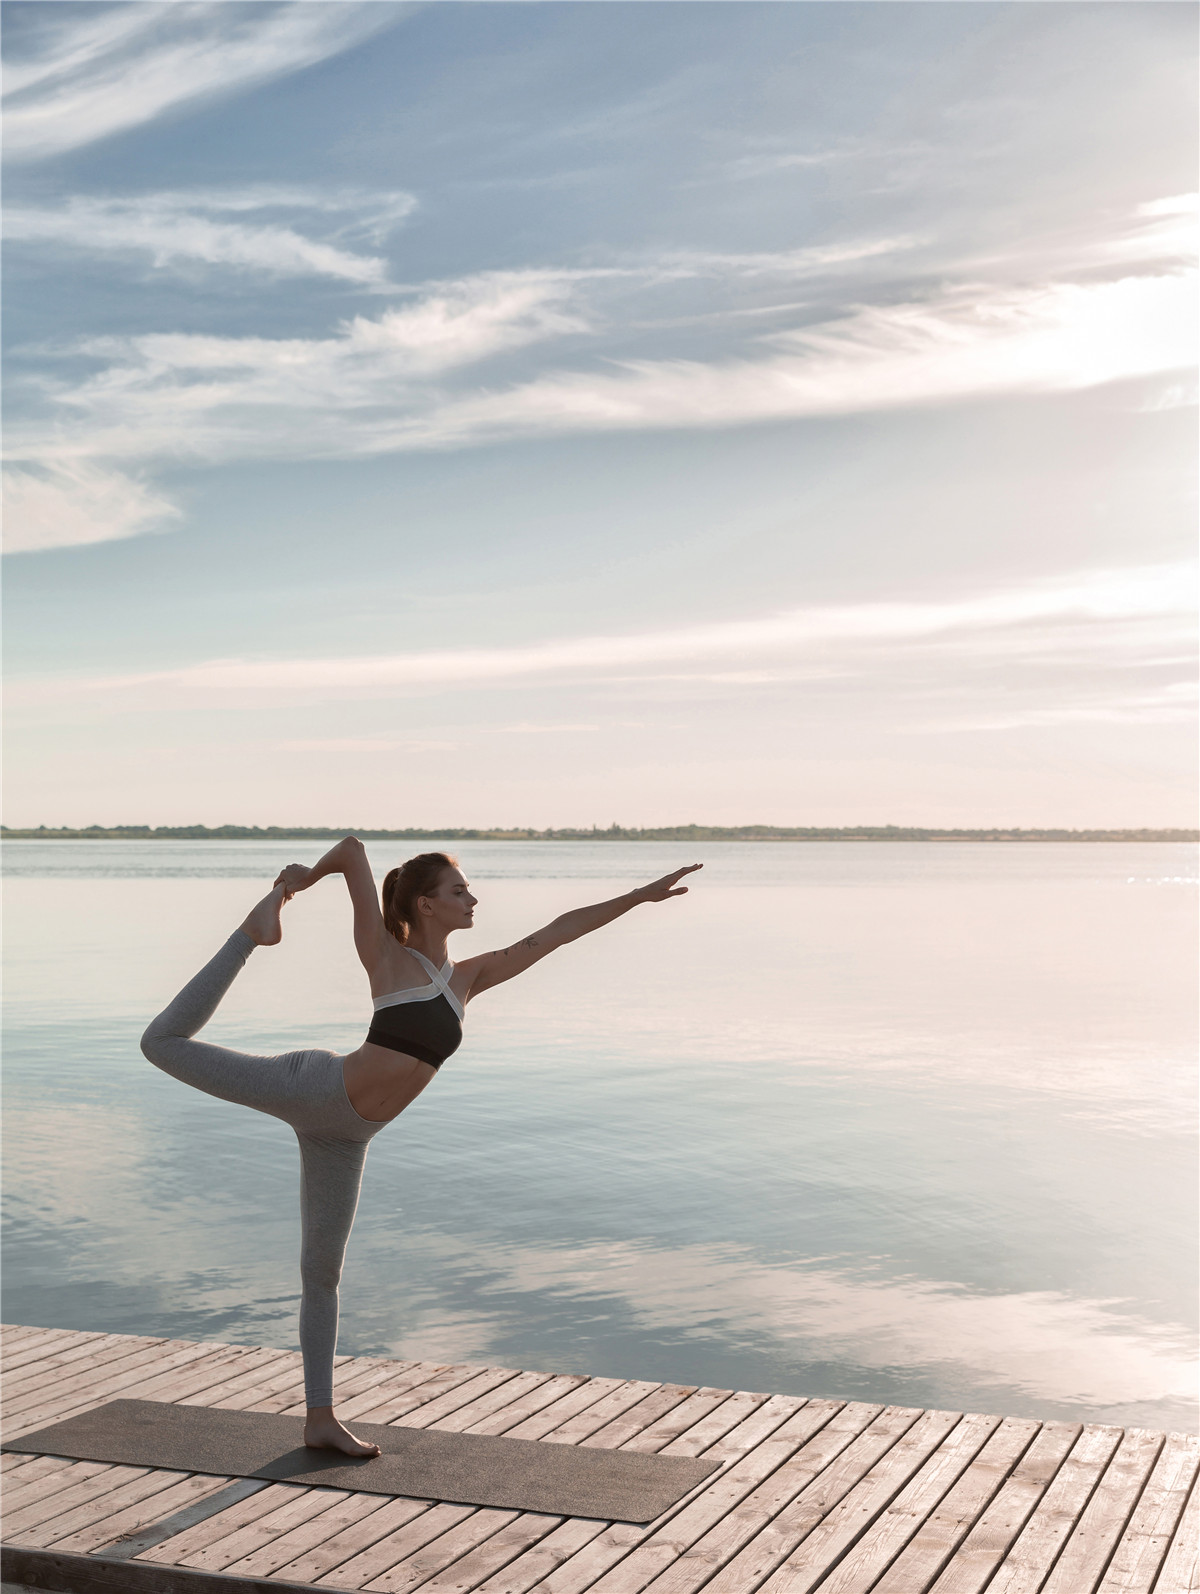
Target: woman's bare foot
[(322, 1431), (262, 924)]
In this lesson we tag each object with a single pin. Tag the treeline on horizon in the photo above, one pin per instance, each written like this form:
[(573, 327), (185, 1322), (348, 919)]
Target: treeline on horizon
[(594, 833)]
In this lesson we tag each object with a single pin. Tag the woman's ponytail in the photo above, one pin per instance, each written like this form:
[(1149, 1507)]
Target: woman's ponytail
[(402, 887)]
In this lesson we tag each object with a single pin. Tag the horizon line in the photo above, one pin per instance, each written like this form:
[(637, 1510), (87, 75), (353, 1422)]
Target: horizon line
[(613, 832)]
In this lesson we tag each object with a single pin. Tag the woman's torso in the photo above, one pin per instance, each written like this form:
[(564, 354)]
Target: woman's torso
[(416, 1024)]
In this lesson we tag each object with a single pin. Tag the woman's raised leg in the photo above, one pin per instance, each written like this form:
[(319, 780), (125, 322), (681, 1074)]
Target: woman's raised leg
[(217, 1070)]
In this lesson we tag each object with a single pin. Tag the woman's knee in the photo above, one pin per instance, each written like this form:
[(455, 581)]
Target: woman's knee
[(320, 1276), (152, 1043)]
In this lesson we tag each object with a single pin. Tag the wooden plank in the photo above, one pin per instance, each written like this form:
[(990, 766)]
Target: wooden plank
[(993, 1535), (59, 1473), (135, 1518), (394, 1407), (21, 1371), (10, 1333), (95, 1513), (287, 1396), (697, 1564), (892, 1529), (354, 1539), (79, 1490), (660, 1403), (400, 1545), (614, 1544), (489, 1539), (102, 1351), (833, 1536), (1181, 1569), (390, 1557), (843, 1470), (476, 1547), (173, 1384), (306, 1535), (394, 1387), (88, 1381), (700, 1558), (180, 1550), (442, 1552), (496, 1551), (945, 1528), (430, 1412), (1037, 1546), (250, 1536), (194, 1368), (662, 1546), (489, 1403), (1145, 1542), (492, 1558), (274, 1369), (590, 1419), (29, 1466), (696, 1417), (528, 1404), (36, 1343), (723, 1433), (1096, 1534), (316, 1502), (588, 1394)]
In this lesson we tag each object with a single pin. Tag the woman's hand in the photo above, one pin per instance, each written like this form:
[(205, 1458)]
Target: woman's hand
[(294, 877), (660, 890)]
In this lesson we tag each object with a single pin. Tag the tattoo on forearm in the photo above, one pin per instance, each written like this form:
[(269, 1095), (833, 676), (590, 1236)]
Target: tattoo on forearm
[(530, 941)]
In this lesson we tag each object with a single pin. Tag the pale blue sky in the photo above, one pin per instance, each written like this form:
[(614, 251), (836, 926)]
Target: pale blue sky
[(560, 413)]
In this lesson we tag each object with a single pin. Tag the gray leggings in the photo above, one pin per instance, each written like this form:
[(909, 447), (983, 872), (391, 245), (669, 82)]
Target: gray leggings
[(307, 1091)]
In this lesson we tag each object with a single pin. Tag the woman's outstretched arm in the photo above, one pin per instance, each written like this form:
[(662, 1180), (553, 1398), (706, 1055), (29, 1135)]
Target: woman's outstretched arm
[(348, 858), (492, 968)]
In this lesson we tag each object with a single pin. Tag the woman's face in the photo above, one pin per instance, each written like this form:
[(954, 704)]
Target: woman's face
[(452, 907)]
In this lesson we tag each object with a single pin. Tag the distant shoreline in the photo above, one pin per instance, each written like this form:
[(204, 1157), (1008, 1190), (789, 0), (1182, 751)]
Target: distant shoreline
[(613, 833)]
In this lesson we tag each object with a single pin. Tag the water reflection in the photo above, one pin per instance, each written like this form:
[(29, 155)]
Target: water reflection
[(840, 1123)]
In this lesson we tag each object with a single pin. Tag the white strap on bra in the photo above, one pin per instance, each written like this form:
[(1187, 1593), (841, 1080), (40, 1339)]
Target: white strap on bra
[(439, 986)]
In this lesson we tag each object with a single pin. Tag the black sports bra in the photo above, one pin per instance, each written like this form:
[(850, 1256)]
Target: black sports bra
[(425, 1023)]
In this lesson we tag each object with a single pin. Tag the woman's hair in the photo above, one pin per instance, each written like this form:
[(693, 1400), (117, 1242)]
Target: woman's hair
[(401, 888)]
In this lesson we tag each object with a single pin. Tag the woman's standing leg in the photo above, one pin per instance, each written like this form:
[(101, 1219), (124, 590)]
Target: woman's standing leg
[(330, 1179)]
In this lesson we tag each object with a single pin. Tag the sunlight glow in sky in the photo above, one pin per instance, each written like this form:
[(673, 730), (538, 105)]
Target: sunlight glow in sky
[(551, 414)]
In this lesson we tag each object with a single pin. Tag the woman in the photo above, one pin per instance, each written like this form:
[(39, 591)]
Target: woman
[(336, 1104)]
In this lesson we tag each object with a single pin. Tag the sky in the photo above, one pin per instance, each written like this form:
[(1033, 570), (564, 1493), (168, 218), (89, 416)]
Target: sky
[(563, 414)]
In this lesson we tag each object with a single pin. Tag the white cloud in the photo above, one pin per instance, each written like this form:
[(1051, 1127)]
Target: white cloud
[(182, 228), (1107, 600), (973, 344), (77, 503), (369, 389), (91, 74)]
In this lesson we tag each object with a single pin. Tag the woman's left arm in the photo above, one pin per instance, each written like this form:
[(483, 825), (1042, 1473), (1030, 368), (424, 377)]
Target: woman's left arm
[(492, 968)]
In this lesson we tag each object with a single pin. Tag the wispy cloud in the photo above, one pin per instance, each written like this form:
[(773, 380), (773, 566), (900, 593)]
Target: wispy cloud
[(182, 229), (85, 75), (64, 506), (370, 388), (973, 344), (1108, 600)]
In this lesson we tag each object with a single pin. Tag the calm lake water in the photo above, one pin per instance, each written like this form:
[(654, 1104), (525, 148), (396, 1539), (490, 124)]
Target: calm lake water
[(905, 1123)]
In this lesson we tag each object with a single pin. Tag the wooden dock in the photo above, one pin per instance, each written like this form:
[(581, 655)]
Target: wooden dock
[(812, 1495)]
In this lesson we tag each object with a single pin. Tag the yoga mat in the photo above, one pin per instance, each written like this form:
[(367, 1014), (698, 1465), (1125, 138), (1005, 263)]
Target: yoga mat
[(421, 1463)]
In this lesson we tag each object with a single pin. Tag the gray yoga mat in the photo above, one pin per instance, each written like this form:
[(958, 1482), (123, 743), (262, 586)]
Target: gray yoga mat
[(422, 1463)]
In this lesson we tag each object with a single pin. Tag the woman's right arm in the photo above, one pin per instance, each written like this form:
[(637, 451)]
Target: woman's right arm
[(348, 858)]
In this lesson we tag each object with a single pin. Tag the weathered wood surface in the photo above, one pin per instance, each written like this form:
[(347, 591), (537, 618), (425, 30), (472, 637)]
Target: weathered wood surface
[(812, 1497)]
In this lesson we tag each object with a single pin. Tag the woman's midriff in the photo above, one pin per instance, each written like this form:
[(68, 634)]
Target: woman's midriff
[(380, 1083)]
